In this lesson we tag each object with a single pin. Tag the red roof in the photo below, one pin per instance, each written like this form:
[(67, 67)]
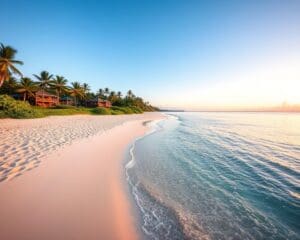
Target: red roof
[(44, 93)]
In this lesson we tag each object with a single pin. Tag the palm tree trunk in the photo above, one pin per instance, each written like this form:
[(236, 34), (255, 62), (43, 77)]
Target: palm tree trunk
[(58, 97), (24, 96), (1, 80)]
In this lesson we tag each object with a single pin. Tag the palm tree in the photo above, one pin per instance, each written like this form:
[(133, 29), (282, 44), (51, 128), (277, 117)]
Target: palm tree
[(106, 92), (60, 85), (113, 97), (27, 87), (9, 86), (130, 94), (7, 63), (101, 93), (119, 94), (86, 88), (76, 91), (112, 93), (44, 81)]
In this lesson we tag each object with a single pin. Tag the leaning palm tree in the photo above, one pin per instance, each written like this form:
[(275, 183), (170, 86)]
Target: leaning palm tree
[(76, 91), (44, 81), (27, 87), (60, 85), (7, 63)]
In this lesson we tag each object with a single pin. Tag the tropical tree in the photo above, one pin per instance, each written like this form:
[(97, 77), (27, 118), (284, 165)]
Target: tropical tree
[(27, 87), (44, 80), (7, 63), (101, 93), (106, 92), (86, 88), (130, 94), (113, 97), (112, 93), (59, 83), (9, 86), (119, 94), (76, 91)]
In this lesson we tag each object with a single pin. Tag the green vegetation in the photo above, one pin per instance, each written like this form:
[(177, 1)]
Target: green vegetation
[(17, 109), (11, 108), (7, 63), (80, 94), (101, 111)]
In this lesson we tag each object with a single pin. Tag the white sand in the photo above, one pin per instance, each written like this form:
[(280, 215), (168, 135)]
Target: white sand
[(76, 192), (25, 142)]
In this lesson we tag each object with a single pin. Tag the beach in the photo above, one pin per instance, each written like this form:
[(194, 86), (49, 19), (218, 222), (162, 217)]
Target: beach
[(62, 177)]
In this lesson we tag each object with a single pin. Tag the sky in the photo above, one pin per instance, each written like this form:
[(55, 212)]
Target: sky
[(183, 54)]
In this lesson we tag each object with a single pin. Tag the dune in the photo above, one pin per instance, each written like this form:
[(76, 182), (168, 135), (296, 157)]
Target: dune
[(62, 177)]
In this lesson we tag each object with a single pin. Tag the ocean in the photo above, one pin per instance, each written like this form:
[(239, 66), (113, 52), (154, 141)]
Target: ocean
[(218, 176)]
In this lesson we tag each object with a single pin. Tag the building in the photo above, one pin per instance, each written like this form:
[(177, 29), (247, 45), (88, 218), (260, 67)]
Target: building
[(98, 102), (65, 100), (45, 99)]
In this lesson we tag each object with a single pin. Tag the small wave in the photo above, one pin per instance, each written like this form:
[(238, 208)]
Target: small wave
[(166, 221), (294, 194), (157, 216), (154, 127)]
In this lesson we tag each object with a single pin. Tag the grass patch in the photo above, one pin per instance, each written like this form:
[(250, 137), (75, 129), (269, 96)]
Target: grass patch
[(61, 112), (101, 111)]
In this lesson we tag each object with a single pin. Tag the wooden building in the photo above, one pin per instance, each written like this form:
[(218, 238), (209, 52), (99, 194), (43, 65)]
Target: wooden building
[(98, 102), (45, 99), (65, 100)]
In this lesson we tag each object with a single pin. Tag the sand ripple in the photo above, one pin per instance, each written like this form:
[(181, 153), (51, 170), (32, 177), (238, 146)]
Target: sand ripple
[(24, 143)]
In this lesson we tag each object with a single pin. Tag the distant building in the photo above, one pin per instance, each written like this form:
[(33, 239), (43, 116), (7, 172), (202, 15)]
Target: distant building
[(98, 102), (65, 100), (45, 99)]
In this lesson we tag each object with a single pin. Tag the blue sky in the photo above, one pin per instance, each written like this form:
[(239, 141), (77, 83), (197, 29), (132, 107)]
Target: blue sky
[(191, 54)]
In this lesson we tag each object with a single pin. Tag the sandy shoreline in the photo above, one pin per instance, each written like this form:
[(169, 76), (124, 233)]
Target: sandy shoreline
[(76, 191)]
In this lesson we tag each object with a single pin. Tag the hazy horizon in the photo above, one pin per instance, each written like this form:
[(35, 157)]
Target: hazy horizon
[(188, 55), (284, 107)]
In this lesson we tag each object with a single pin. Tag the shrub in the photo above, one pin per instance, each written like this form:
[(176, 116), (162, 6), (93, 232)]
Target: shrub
[(101, 111), (136, 109), (122, 109), (127, 110), (116, 108), (2, 114), (116, 112), (17, 109)]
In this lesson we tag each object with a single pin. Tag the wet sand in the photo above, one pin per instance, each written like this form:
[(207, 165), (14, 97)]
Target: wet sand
[(75, 191)]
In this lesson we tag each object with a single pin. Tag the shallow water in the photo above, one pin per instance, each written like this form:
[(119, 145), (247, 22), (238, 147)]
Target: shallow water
[(219, 176)]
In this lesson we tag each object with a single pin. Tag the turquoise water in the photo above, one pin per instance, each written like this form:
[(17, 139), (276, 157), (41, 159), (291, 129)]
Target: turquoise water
[(218, 176)]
